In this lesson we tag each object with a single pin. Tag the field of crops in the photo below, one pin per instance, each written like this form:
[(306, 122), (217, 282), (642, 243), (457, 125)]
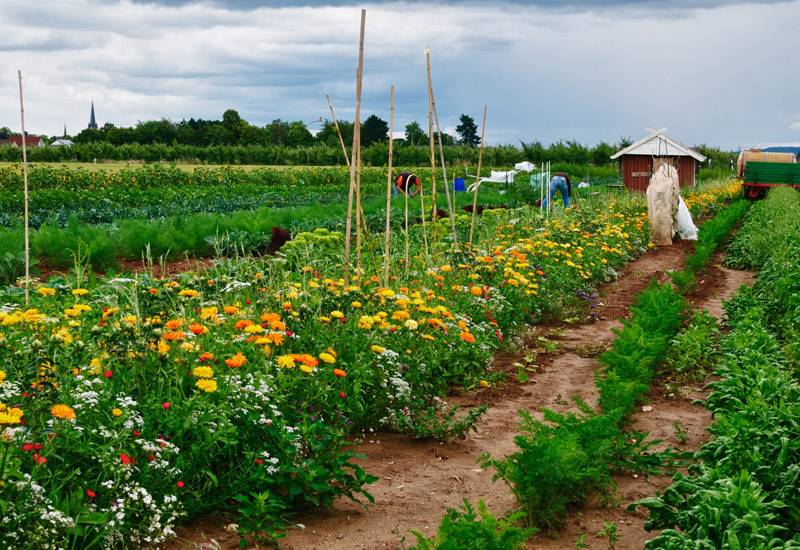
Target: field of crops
[(132, 404)]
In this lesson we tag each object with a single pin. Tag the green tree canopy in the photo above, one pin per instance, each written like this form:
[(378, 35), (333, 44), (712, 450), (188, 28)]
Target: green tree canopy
[(415, 135), (374, 130), (467, 131)]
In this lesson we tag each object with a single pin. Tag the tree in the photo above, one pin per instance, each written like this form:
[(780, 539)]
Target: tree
[(467, 131), (298, 135), (328, 136), (415, 135), (5, 132), (374, 130), (233, 123), (277, 132)]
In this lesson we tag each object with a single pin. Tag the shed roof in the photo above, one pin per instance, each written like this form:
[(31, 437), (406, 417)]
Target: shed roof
[(16, 140), (658, 144)]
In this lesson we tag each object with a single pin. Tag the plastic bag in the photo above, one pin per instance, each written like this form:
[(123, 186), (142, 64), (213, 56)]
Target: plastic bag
[(686, 227)]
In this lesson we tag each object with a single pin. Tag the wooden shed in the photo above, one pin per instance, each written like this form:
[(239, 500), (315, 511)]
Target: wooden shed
[(638, 161)]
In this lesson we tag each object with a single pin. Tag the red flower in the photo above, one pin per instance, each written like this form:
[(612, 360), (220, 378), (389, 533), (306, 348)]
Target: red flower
[(289, 333), (108, 374), (247, 301), (166, 405), (27, 447), (39, 459), (342, 394), (153, 291), (90, 493), (259, 461), (126, 459), (151, 458), (180, 484), (136, 433), (499, 335)]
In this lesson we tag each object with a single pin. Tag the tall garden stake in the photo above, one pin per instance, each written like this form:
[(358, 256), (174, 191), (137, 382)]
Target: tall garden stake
[(25, 192), (344, 150), (388, 190), (441, 152), (477, 181), (430, 138), (354, 163)]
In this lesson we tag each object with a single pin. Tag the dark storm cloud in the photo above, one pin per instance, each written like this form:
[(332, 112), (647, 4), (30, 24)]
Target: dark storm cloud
[(590, 71)]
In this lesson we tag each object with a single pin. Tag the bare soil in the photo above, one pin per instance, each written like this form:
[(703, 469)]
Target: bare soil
[(419, 480)]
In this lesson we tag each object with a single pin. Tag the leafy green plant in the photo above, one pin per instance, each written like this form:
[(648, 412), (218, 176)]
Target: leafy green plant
[(261, 519), (466, 529)]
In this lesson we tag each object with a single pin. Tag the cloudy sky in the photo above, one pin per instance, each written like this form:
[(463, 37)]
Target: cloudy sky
[(712, 71)]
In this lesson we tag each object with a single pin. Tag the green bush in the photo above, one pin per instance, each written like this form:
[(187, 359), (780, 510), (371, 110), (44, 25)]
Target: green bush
[(464, 529)]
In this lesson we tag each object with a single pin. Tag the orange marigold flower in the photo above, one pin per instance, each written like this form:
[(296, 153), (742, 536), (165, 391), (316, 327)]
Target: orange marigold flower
[(197, 329), (174, 335), (230, 310), (173, 324), (467, 337), (236, 361), (339, 373), (206, 356), (63, 411), (242, 323)]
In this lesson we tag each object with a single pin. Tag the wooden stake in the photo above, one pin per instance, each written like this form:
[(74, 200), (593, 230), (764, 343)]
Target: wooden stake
[(430, 135), (338, 131), (355, 162), (441, 151), (405, 257), (346, 157), (25, 192), (388, 190), (477, 181)]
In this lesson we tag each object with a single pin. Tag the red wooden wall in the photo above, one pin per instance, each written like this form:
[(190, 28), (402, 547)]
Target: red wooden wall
[(637, 170)]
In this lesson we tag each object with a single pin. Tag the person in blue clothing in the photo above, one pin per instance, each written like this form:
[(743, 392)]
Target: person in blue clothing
[(560, 182)]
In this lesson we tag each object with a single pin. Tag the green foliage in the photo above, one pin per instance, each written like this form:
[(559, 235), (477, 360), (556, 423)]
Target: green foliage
[(745, 490), (261, 519), (693, 352), (439, 421), (464, 529)]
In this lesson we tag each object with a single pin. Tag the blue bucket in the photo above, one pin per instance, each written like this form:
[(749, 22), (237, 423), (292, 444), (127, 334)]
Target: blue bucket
[(459, 185)]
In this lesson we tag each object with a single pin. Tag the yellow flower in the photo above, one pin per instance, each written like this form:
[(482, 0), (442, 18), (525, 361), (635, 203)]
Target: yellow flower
[(10, 416), (336, 314), (286, 361), (476, 291), (2, 377), (46, 291), (163, 347), (203, 372), (305, 368), (207, 385), (356, 305), (484, 383), (377, 349), (411, 324), (80, 292), (324, 357), (189, 293), (63, 411), (116, 412)]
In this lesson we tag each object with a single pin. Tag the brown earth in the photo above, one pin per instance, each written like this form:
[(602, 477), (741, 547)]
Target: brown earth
[(419, 480)]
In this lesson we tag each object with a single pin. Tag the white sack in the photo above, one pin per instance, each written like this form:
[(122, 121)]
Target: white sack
[(662, 204), (686, 227)]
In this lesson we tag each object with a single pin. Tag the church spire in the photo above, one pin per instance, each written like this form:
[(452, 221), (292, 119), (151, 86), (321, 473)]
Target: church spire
[(92, 121)]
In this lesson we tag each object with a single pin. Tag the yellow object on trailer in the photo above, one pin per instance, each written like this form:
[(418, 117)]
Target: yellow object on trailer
[(755, 155)]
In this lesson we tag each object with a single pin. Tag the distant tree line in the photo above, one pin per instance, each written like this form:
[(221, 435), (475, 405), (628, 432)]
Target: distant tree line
[(233, 140)]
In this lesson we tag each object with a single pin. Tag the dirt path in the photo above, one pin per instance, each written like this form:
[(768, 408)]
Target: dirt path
[(419, 480)]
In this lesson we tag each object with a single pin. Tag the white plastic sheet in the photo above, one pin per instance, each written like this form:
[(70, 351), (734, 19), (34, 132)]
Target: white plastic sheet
[(662, 204), (686, 227)]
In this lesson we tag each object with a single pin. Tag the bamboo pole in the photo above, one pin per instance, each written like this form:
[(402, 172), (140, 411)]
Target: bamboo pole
[(388, 190), (346, 156), (477, 181), (338, 131), (450, 211), (25, 192), (430, 136), (405, 256), (354, 163)]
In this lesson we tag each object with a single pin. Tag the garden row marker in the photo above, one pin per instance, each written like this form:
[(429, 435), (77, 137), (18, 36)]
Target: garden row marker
[(477, 180), (430, 138), (355, 162), (389, 190), (25, 191), (441, 150)]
